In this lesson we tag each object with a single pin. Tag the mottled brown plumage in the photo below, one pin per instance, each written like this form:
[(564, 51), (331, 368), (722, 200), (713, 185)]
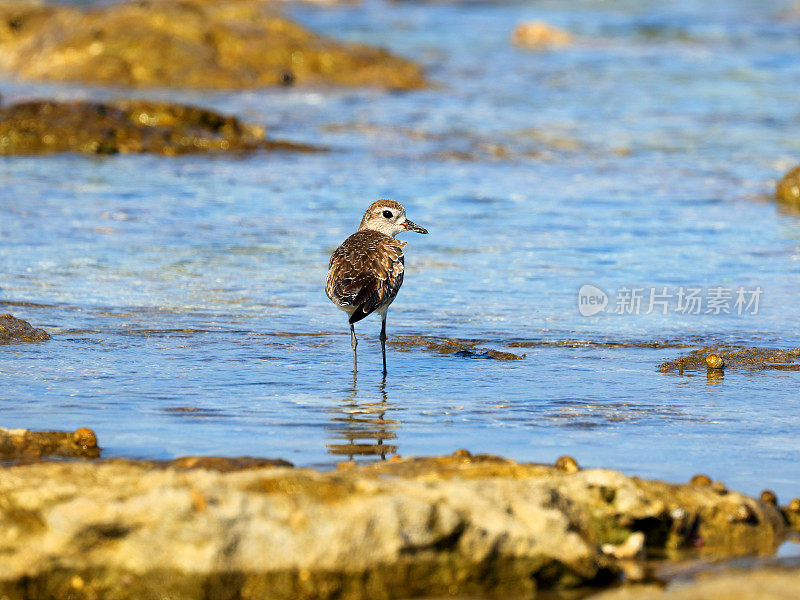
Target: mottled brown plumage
[(366, 271)]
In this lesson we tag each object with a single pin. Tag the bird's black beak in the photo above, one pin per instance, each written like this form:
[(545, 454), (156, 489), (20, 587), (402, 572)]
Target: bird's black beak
[(414, 227)]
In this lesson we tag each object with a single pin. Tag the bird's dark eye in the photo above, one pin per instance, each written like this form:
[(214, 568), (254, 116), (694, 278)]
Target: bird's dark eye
[(387, 214)]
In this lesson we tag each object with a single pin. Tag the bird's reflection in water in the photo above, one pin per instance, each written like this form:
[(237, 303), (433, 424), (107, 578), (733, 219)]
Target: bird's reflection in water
[(360, 428)]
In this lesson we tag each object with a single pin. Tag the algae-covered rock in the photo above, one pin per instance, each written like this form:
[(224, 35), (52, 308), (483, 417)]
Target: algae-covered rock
[(185, 43), (43, 127), (716, 358), (17, 330), (445, 526)]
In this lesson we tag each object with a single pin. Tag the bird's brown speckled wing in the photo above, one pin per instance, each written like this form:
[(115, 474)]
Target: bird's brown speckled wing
[(365, 273)]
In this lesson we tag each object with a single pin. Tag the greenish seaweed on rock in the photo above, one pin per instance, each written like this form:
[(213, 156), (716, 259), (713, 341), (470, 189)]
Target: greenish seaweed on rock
[(135, 126), (201, 44), (13, 329)]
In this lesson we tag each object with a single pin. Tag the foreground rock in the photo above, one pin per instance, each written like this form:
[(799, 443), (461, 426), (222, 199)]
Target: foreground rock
[(17, 330), (441, 526), (769, 583), (43, 127), (188, 43)]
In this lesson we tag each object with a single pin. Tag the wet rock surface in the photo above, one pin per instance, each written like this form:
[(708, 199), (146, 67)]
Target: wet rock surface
[(741, 357), (13, 329), (190, 43), (452, 347), (459, 524), (45, 127)]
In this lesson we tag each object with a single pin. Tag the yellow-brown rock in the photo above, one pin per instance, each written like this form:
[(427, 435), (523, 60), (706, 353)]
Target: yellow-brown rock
[(538, 35), (437, 527), (203, 44)]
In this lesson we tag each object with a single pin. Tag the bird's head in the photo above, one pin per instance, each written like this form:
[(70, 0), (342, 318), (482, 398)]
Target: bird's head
[(388, 217)]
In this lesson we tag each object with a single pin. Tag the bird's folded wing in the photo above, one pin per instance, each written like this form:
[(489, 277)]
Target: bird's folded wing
[(365, 276)]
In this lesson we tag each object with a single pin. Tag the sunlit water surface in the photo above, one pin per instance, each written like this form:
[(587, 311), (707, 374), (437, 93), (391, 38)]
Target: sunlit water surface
[(185, 296)]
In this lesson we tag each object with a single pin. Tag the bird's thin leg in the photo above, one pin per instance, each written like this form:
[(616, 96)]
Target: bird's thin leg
[(383, 341), (353, 344)]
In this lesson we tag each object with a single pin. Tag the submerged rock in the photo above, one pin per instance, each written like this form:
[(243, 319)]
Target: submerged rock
[(17, 330), (452, 525), (43, 127), (185, 43), (452, 347)]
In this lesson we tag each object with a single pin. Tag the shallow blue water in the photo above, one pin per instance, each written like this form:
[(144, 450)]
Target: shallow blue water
[(639, 157)]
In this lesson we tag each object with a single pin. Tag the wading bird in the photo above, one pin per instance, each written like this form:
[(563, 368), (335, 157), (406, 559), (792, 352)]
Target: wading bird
[(366, 271)]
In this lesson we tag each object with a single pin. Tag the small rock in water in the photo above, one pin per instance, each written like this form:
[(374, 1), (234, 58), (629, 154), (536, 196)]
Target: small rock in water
[(700, 480), (788, 188), (714, 361), (769, 497), (539, 35), (85, 438), (567, 464)]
